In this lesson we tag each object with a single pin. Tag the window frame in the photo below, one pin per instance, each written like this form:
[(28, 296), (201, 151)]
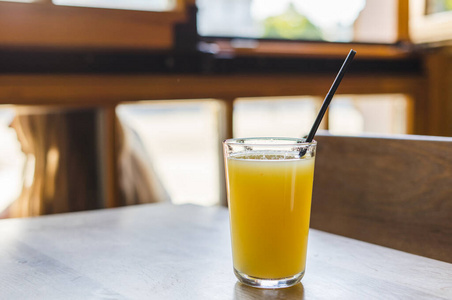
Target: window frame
[(427, 29)]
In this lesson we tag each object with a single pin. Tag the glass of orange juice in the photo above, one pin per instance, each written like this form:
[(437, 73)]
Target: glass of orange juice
[(269, 184)]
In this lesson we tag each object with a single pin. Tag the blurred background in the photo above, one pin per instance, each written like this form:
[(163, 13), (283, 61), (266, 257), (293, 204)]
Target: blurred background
[(111, 103)]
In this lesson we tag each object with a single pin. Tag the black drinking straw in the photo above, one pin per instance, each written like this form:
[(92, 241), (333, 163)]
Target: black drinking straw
[(328, 98)]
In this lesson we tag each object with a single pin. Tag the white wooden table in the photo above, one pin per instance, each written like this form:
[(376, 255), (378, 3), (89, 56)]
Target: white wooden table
[(160, 251)]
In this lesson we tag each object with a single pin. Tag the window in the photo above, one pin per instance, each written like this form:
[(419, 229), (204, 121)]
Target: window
[(430, 21), (183, 144), (438, 6), (316, 20), (354, 115), (347, 115), (282, 116)]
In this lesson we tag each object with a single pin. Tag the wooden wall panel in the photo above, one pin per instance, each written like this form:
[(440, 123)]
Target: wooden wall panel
[(43, 25)]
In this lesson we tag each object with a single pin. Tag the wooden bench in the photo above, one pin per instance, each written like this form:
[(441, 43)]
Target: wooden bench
[(391, 191)]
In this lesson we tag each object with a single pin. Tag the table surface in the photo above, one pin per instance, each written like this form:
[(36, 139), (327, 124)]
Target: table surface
[(161, 251)]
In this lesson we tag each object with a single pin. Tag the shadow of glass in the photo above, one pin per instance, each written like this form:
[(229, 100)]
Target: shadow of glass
[(244, 292)]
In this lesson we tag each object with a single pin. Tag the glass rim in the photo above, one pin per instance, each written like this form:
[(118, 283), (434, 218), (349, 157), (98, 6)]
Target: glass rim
[(302, 142)]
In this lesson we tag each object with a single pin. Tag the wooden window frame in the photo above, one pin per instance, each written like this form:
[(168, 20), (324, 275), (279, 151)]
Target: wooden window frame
[(434, 28)]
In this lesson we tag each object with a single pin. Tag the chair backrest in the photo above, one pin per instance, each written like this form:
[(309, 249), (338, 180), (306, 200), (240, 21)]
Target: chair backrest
[(391, 191)]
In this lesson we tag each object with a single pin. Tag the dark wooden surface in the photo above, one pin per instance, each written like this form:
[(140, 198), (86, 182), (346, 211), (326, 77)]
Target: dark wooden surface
[(160, 251), (389, 191)]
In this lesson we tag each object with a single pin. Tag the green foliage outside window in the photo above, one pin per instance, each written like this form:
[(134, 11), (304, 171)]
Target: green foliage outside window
[(448, 4), (291, 25), (436, 6)]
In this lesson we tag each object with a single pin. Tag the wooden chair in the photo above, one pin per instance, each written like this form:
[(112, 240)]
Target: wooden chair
[(391, 191)]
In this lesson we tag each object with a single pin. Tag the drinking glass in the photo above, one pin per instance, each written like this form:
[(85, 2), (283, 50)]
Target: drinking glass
[(269, 183)]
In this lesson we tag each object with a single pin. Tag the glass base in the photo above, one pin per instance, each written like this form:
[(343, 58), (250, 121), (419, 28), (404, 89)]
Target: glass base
[(276, 283)]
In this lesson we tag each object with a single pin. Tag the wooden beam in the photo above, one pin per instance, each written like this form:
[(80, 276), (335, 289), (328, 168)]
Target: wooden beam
[(403, 29), (41, 25), (82, 90), (310, 49), (225, 129)]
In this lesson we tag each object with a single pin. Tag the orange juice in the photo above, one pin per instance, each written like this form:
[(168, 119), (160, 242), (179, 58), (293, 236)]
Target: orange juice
[(270, 203)]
